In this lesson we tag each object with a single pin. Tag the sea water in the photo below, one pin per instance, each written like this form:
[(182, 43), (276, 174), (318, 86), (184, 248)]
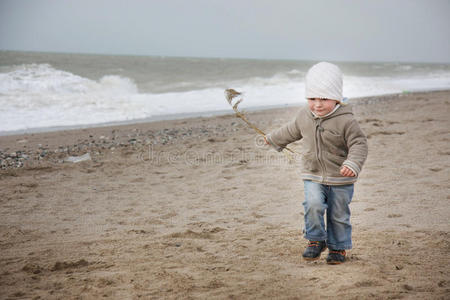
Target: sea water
[(45, 91)]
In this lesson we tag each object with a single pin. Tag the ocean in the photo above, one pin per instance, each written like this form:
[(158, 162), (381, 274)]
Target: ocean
[(48, 91)]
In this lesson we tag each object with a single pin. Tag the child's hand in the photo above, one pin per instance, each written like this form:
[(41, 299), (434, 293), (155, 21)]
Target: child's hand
[(266, 141), (347, 172)]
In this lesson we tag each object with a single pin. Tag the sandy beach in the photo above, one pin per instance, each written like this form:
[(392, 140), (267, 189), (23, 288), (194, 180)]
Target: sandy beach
[(200, 209)]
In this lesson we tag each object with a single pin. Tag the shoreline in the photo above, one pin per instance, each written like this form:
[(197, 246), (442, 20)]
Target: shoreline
[(205, 114)]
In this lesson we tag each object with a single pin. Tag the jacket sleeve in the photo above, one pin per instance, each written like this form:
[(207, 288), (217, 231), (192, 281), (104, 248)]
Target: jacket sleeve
[(357, 147), (285, 135)]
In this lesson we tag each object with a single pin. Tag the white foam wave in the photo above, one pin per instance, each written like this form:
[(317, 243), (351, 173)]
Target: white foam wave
[(404, 67), (37, 95), (294, 72)]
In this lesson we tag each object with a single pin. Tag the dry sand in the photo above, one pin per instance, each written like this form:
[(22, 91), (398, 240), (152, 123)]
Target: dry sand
[(196, 208)]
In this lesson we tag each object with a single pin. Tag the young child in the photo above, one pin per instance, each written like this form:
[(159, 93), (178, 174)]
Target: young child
[(335, 149)]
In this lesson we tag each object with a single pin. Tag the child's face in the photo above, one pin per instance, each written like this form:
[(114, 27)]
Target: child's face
[(321, 107)]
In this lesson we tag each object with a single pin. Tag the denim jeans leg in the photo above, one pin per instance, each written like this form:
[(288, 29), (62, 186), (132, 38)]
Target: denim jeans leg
[(339, 228), (315, 206)]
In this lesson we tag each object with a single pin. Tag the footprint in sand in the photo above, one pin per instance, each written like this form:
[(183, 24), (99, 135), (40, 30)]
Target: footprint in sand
[(428, 120), (69, 265), (18, 295), (394, 216), (137, 179), (29, 184), (228, 189), (384, 133), (32, 268), (257, 216), (366, 283), (374, 122), (370, 120), (169, 215), (191, 234), (104, 282), (154, 222), (138, 231)]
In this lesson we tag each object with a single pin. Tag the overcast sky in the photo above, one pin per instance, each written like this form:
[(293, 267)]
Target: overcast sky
[(350, 30)]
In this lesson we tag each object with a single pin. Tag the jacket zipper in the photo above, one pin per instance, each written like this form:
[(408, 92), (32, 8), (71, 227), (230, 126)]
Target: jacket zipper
[(319, 129)]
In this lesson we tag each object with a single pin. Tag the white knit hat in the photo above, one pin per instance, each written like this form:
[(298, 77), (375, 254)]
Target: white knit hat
[(324, 80)]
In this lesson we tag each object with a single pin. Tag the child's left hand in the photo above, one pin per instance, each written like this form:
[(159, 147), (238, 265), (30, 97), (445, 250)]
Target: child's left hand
[(346, 172)]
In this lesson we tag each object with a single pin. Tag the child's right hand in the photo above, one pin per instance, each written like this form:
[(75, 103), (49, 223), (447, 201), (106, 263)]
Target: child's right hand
[(266, 141)]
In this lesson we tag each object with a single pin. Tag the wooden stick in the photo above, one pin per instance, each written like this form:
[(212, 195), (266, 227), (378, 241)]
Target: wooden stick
[(230, 94)]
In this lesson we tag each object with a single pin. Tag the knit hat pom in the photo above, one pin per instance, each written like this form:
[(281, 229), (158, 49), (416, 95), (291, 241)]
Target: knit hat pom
[(324, 80)]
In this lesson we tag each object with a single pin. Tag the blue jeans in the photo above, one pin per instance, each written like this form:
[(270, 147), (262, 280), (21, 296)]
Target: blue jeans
[(334, 200)]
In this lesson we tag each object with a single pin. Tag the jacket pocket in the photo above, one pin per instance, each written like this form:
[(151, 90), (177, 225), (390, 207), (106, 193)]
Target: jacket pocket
[(334, 143), (332, 137), (310, 163), (334, 163)]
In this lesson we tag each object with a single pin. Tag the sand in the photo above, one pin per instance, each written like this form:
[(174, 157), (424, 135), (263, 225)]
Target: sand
[(198, 208)]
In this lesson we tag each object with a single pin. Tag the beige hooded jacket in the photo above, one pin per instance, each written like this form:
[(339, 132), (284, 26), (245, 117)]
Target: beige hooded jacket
[(329, 143)]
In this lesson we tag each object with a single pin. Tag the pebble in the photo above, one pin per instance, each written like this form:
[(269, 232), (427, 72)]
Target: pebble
[(135, 138)]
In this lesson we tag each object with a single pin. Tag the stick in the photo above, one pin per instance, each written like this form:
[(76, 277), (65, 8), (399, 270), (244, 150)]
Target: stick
[(230, 94)]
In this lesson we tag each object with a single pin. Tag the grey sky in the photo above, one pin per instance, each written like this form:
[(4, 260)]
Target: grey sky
[(355, 30)]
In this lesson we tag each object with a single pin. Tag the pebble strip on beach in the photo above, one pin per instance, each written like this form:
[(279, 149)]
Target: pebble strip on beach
[(95, 145)]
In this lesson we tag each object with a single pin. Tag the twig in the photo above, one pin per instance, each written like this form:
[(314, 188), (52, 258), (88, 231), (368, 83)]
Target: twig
[(230, 94)]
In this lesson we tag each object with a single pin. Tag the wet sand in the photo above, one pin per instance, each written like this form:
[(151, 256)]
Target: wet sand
[(198, 208)]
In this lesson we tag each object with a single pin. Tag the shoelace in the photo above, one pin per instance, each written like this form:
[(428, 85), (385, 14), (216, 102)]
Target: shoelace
[(342, 252), (313, 244)]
